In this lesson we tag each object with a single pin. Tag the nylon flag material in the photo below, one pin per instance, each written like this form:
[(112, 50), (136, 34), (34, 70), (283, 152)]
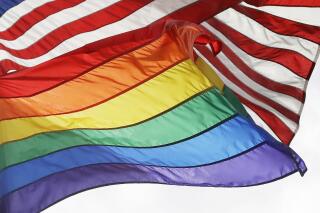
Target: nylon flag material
[(199, 93)]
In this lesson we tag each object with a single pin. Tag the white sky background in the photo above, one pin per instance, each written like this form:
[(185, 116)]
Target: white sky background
[(293, 194)]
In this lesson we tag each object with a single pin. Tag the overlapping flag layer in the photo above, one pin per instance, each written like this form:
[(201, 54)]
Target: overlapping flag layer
[(110, 96)]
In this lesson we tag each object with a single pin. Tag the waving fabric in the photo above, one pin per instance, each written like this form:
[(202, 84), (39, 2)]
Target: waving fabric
[(153, 92)]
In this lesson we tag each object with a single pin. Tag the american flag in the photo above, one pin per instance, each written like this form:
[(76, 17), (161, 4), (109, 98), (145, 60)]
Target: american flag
[(266, 60)]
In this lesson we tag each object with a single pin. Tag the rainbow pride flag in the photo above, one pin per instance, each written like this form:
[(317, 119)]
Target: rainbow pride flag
[(154, 114)]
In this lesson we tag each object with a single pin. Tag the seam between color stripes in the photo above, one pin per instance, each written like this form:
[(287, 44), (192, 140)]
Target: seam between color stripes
[(208, 164), (167, 110), (135, 147), (109, 98)]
